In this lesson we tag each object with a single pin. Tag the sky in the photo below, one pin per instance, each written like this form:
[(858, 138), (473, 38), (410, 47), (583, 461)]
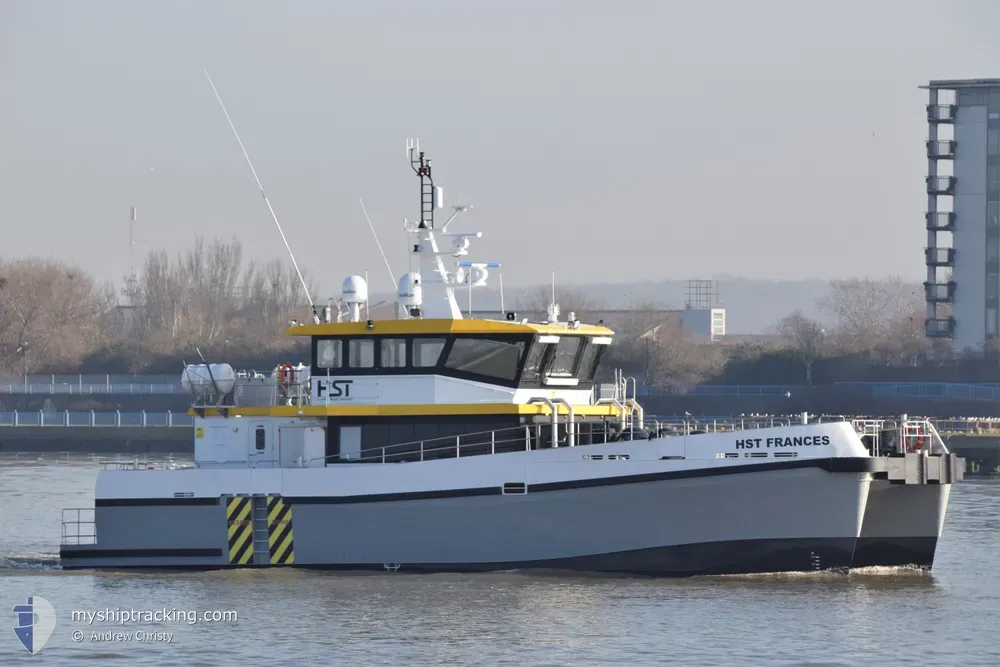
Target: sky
[(608, 142)]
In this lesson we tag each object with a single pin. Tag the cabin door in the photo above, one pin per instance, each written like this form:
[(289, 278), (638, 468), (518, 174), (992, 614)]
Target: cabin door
[(350, 443), (262, 448)]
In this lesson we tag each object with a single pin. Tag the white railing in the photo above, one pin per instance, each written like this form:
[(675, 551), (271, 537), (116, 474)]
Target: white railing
[(79, 526), (94, 418), (92, 384), (711, 424)]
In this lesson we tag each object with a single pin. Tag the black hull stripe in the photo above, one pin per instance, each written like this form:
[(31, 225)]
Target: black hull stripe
[(732, 557), (144, 502), (389, 497), (894, 552), (832, 465), (74, 553)]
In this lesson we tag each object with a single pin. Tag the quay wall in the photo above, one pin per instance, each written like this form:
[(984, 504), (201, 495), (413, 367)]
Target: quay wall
[(97, 440)]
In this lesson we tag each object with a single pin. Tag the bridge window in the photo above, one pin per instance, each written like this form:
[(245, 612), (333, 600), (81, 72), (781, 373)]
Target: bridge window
[(481, 356), (329, 353), (563, 360), (393, 353), (427, 351), (261, 439), (361, 353), (590, 360), (533, 364)]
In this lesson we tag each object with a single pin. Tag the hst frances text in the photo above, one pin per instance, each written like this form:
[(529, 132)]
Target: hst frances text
[(766, 443)]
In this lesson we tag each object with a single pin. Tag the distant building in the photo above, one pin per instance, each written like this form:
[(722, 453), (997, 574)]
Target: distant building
[(962, 289), (707, 323), (702, 314)]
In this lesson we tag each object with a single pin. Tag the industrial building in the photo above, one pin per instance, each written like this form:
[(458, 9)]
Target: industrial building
[(963, 210)]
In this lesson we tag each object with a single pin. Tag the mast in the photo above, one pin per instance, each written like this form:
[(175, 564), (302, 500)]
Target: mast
[(430, 196), (439, 300)]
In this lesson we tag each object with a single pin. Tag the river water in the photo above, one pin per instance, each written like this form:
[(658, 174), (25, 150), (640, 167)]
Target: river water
[(298, 617)]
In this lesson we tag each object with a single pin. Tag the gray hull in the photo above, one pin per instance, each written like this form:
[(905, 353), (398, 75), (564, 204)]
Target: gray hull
[(793, 519), (902, 525)]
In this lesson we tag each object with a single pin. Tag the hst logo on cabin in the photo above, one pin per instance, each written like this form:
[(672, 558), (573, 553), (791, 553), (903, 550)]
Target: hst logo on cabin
[(333, 389), (767, 443)]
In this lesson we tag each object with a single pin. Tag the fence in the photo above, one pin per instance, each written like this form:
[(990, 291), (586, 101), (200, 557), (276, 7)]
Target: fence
[(988, 391), (92, 384), (740, 390), (66, 418)]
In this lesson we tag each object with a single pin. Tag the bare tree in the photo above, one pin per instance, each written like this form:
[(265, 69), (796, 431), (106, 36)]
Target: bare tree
[(807, 339), (876, 317), (681, 362), (207, 297), (51, 314), (570, 300), (638, 332)]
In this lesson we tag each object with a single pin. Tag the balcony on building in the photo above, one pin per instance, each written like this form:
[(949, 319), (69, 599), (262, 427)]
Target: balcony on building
[(940, 113), (940, 256), (940, 221), (942, 149), (940, 327), (940, 185), (940, 292)]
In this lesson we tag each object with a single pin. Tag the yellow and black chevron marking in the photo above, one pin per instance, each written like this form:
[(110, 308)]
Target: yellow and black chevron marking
[(239, 523), (279, 531)]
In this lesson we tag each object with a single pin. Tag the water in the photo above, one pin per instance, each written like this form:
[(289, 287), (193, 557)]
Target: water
[(297, 617)]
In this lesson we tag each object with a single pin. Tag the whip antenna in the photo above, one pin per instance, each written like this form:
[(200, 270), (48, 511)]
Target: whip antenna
[(392, 276), (254, 172)]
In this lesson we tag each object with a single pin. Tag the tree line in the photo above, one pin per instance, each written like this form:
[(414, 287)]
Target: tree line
[(57, 318)]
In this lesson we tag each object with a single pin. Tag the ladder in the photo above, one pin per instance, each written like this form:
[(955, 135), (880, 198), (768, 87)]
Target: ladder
[(261, 547)]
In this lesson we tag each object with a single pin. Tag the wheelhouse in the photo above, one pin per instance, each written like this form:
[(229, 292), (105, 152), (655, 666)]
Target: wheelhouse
[(509, 360)]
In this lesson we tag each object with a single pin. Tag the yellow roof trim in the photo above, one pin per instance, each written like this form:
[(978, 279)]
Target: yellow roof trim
[(397, 410), (442, 326)]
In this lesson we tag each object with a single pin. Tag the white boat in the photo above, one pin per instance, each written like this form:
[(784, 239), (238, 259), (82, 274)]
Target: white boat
[(438, 441)]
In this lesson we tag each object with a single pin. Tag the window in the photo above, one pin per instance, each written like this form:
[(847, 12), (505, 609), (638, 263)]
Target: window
[(991, 321), (993, 178), (393, 353), (261, 441), (991, 252), (992, 213), (564, 357), (533, 364), (427, 351), (329, 353), (991, 286), (485, 357), (589, 361), (993, 141), (362, 353)]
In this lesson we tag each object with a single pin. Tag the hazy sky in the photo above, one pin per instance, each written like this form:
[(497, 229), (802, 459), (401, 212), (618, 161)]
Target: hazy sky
[(608, 141)]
